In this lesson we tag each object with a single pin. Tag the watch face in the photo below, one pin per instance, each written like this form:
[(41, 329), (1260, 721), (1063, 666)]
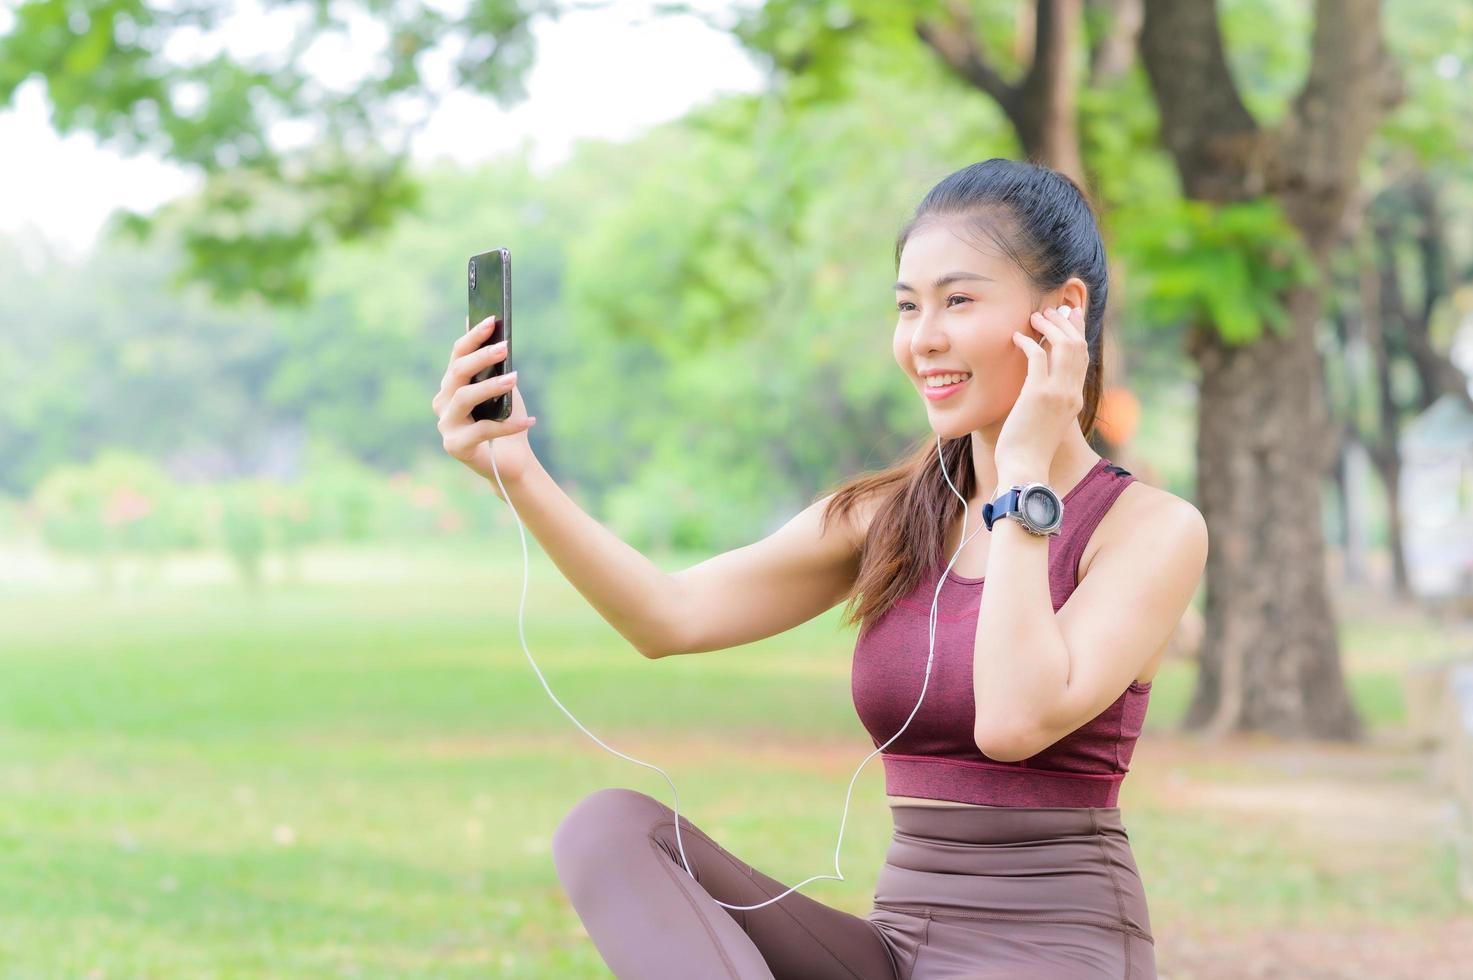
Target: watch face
[(1041, 508)]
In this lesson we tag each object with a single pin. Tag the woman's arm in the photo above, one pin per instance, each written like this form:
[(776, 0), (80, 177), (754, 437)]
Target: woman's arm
[(636, 596), (770, 586)]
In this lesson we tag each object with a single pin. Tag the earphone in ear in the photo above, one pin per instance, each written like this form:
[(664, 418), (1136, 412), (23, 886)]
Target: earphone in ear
[(837, 875)]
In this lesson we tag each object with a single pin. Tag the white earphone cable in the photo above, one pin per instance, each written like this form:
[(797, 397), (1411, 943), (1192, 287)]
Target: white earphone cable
[(838, 875)]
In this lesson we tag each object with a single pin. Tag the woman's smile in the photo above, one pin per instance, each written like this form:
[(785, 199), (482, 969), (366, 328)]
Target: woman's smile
[(942, 392)]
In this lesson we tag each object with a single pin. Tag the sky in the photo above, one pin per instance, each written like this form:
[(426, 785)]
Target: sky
[(644, 70)]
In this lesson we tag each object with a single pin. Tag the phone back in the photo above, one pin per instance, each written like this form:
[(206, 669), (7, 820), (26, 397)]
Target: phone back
[(488, 280)]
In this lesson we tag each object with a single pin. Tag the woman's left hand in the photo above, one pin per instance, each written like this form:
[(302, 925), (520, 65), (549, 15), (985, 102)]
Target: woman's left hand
[(1052, 395)]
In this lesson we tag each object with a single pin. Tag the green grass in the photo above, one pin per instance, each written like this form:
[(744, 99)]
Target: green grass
[(361, 778)]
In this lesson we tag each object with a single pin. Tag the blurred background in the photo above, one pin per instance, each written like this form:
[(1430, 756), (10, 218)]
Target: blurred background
[(263, 708)]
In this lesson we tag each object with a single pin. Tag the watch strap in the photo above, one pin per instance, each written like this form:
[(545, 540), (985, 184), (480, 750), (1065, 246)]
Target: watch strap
[(1005, 503)]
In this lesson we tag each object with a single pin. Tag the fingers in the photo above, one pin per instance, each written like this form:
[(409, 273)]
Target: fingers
[(1066, 343), (463, 368), (467, 357), (1070, 320), (472, 338), (1059, 331), (471, 395), (1037, 356), (462, 440)]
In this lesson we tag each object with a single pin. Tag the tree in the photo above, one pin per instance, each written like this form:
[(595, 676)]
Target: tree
[(1377, 321), (1270, 657), (133, 73)]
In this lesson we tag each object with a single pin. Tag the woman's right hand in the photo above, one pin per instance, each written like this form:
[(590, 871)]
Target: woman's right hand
[(468, 440)]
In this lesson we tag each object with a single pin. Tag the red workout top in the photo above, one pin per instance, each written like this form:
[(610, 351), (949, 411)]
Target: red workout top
[(936, 756)]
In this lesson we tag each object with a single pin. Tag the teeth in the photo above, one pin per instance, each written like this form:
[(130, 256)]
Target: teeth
[(942, 380)]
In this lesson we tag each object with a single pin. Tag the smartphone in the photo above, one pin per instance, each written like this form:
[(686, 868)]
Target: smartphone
[(488, 282)]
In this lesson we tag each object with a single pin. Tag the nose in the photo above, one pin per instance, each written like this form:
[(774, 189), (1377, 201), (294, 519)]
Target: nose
[(928, 336)]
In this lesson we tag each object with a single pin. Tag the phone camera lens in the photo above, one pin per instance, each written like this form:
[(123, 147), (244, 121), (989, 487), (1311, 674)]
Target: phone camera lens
[(473, 273)]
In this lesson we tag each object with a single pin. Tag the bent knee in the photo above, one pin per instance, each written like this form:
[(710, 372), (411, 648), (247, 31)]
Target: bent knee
[(604, 818)]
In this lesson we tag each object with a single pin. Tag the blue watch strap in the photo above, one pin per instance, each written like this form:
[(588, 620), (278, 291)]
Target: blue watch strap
[(1005, 503)]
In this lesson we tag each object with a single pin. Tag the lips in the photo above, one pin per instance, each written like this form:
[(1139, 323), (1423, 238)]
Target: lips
[(945, 391)]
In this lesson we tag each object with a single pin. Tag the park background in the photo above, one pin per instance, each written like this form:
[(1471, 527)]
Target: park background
[(263, 707)]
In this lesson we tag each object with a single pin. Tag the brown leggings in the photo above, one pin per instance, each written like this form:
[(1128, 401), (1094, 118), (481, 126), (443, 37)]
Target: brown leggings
[(978, 892)]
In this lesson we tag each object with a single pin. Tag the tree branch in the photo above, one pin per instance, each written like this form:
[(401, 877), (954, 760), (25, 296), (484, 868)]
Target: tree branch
[(1111, 56), (1181, 47), (955, 41), (1352, 82)]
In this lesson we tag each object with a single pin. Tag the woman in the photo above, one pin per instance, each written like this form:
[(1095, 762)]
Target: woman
[(1008, 858)]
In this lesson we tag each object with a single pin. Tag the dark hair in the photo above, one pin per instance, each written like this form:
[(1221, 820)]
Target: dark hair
[(1043, 222)]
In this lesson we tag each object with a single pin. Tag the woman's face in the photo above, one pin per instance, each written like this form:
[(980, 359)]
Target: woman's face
[(964, 325)]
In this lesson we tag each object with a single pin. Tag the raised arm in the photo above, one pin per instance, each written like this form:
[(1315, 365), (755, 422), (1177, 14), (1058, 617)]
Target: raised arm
[(630, 591), (765, 588), (792, 575)]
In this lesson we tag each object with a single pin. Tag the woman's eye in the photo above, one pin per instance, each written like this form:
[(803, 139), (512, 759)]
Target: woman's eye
[(902, 306)]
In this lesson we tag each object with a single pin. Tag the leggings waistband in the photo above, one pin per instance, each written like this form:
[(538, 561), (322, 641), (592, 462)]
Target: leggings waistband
[(1005, 824)]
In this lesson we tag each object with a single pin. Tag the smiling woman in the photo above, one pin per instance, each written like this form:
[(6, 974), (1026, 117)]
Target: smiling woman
[(1009, 856)]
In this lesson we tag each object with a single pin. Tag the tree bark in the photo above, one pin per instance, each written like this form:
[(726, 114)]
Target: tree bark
[(1269, 660)]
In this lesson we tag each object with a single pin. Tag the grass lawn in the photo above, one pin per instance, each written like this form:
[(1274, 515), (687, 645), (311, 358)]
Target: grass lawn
[(359, 775)]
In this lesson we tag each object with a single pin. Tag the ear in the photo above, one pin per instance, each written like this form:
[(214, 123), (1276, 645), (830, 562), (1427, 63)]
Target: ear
[(1073, 294)]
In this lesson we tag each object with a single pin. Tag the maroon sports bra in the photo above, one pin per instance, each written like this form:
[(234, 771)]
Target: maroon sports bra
[(936, 757)]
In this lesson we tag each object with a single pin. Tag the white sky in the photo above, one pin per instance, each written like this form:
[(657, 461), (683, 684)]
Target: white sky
[(605, 73)]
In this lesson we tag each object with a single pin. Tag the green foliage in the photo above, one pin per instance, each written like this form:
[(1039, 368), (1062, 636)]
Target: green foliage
[(244, 234), (118, 502), (127, 71), (242, 529), (1225, 265), (1433, 47), (760, 385), (1119, 142), (812, 44), (1267, 47), (123, 505)]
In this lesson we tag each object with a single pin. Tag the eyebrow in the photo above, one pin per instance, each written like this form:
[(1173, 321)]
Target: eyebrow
[(949, 277)]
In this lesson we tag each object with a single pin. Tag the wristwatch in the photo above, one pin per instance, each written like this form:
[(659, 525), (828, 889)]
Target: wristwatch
[(1034, 505)]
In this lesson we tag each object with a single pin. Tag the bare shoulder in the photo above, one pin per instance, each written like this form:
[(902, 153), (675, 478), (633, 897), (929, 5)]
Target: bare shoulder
[(857, 519), (1143, 505)]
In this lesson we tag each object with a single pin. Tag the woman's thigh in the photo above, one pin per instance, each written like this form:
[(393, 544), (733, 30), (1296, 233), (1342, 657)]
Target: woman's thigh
[(616, 855)]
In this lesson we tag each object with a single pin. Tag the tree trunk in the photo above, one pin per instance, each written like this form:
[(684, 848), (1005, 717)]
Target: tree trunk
[(1351, 569), (1383, 301), (1270, 660)]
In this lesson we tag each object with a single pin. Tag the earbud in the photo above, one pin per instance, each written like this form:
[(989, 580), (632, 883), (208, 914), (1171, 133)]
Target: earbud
[(1064, 311)]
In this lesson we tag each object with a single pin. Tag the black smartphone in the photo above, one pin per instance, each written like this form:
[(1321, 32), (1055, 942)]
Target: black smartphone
[(488, 281)]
